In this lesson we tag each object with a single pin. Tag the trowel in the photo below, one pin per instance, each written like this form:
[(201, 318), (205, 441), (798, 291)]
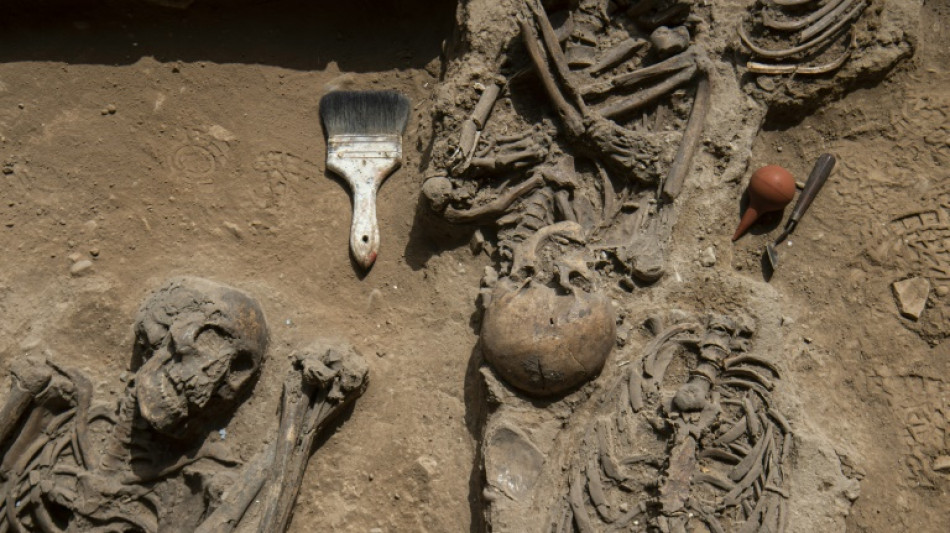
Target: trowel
[(817, 178)]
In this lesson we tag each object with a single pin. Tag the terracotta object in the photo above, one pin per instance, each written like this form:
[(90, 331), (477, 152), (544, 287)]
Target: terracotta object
[(771, 188)]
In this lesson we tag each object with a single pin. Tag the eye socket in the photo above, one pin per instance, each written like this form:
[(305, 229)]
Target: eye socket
[(242, 363)]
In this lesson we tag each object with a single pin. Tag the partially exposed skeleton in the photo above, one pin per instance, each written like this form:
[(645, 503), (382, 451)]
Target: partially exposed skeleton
[(565, 133), (683, 437), (152, 462), (621, 99)]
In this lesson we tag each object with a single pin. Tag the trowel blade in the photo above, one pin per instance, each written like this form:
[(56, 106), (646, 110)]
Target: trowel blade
[(773, 255)]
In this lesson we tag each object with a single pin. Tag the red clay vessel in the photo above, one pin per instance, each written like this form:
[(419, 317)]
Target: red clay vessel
[(771, 188)]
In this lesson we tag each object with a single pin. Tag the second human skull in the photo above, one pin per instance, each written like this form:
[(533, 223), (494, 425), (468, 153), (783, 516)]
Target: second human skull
[(200, 344)]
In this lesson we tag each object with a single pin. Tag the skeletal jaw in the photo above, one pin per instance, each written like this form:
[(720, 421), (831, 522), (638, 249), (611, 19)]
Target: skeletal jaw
[(163, 407), (202, 344)]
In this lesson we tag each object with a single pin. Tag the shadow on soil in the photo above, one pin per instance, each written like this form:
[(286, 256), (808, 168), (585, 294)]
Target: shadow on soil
[(356, 35)]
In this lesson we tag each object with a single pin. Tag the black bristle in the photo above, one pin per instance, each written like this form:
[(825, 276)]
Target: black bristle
[(364, 113)]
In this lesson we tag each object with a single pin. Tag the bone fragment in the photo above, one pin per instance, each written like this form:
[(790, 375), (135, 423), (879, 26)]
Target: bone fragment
[(750, 374), (28, 380), (765, 68), (569, 116), (663, 68), (746, 384), (485, 104), (651, 350), (663, 18), (18, 400), (827, 34), (674, 492), (741, 470), (750, 359), (525, 256), (715, 481), (616, 54), (734, 432), (635, 386), (497, 206), (690, 141), (562, 199), (554, 51), (580, 55), (467, 138), (225, 518), (506, 160), (611, 469), (752, 419), (576, 498), (663, 360), (645, 96), (610, 195), (825, 21), (719, 454), (797, 24), (595, 487)]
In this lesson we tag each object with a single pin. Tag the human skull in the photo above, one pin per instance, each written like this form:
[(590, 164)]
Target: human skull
[(200, 345), (546, 343), (546, 329)]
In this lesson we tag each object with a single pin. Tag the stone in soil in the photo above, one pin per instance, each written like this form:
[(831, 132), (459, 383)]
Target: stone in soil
[(911, 295)]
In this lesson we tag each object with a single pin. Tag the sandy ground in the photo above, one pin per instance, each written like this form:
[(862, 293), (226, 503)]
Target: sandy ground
[(155, 143)]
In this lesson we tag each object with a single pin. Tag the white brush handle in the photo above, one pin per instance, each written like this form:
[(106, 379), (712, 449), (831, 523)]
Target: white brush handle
[(364, 161)]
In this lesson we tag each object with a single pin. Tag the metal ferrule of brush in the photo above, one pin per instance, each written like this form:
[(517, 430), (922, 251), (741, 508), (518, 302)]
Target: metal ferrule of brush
[(364, 161)]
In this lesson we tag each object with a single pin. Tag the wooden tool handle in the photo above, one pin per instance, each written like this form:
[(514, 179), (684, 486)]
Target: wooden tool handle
[(817, 178)]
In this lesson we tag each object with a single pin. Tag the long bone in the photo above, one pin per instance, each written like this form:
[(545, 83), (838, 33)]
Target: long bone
[(28, 380), (328, 381), (322, 383), (673, 64), (643, 97), (496, 207), (616, 55)]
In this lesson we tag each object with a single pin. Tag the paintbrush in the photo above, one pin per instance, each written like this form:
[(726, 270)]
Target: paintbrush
[(364, 146)]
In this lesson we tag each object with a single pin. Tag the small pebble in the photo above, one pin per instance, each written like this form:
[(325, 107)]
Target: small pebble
[(942, 291), (708, 257), (223, 433), (911, 295), (80, 267)]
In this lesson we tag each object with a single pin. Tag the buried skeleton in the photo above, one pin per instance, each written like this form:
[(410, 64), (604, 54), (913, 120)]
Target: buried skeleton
[(153, 461)]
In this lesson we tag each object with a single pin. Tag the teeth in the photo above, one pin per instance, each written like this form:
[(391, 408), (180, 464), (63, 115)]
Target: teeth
[(158, 402)]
